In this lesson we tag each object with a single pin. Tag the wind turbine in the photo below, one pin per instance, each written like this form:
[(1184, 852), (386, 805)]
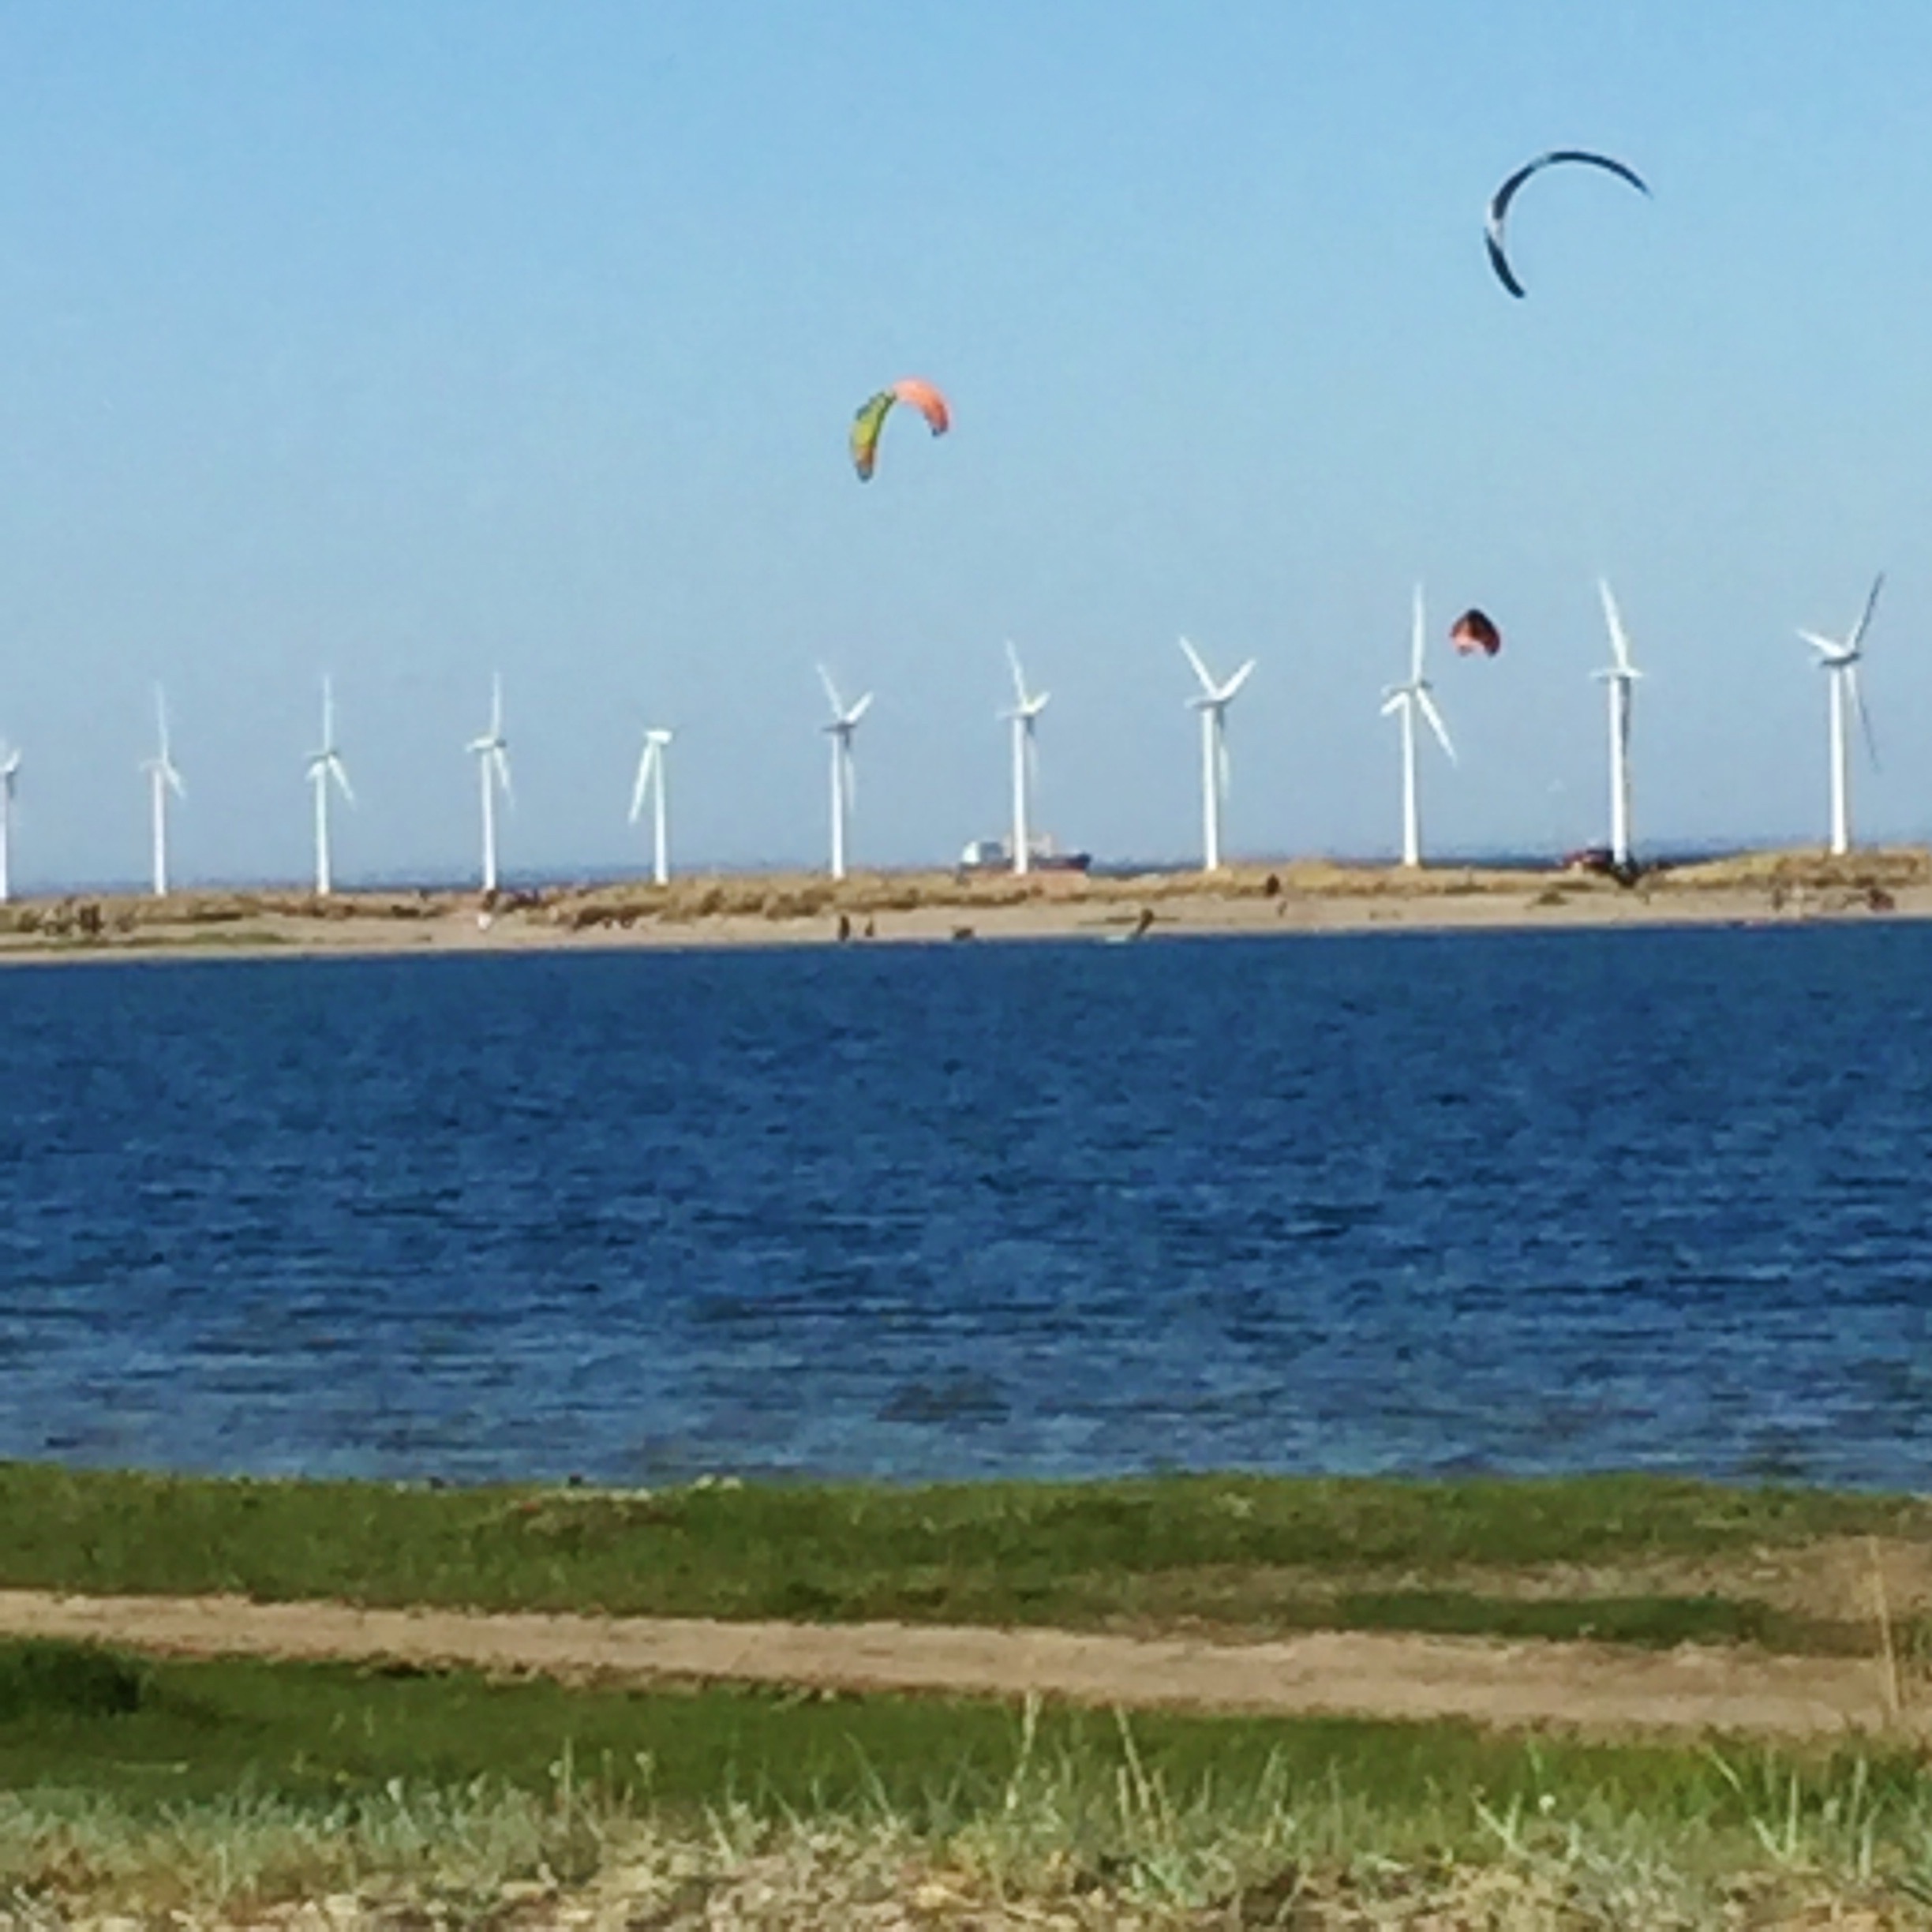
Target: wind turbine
[(492, 753), (1839, 660), (1024, 716), (9, 781), (1212, 701), (163, 778), (325, 767), (1405, 700), (1618, 680), (845, 722), (650, 782)]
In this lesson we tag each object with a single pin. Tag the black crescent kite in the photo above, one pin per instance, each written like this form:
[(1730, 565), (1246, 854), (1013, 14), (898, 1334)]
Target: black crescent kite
[(1500, 200)]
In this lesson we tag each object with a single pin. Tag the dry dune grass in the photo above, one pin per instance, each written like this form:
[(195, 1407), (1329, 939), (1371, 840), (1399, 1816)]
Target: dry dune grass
[(1802, 880), (1057, 1849), (1884, 869), (82, 917)]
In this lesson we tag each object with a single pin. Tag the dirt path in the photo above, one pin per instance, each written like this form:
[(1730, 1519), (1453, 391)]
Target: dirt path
[(1589, 1686)]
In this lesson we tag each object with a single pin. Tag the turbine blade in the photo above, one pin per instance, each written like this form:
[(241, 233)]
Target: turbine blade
[(1830, 648), (1019, 676), (1865, 616), (339, 773), (858, 710), (1436, 722), (500, 764), (1200, 670), (642, 785), (1234, 683), (496, 729), (1417, 639), (1619, 642), (831, 692), (1864, 717), (1223, 765)]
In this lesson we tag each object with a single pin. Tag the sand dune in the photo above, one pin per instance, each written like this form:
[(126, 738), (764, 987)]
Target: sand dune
[(1301, 896)]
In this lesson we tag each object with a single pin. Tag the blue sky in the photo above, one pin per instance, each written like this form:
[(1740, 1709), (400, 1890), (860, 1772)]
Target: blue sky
[(415, 343)]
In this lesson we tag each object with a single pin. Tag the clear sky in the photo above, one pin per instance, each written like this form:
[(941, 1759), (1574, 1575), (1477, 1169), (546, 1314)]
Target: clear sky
[(416, 342)]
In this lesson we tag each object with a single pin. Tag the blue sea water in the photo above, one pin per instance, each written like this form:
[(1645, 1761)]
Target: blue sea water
[(1508, 1201)]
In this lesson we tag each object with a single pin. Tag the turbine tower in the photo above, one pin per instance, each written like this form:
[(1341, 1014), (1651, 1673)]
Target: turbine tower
[(9, 783), (163, 778), (650, 782), (325, 768), (1618, 680), (492, 753), (1024, 716), (845, 722), (1212, 701), (1839, 660), (1405, 701)]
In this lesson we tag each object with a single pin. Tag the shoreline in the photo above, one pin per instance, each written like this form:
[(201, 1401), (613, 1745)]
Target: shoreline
[(780, 911)]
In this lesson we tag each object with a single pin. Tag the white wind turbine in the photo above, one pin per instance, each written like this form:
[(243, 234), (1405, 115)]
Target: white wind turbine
[(1839, 660), (1405, 700), (845, 722), (163, 778), (1024, 716), (1212, 701), (325, 768), (1618, 679), (9, 782), (492, 753), (650, 783)]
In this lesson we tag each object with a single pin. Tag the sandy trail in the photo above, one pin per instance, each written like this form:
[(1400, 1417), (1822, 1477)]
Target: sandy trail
[(1573, 1686)]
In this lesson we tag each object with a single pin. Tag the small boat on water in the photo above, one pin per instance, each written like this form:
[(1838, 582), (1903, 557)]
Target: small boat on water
[(1042, 856)]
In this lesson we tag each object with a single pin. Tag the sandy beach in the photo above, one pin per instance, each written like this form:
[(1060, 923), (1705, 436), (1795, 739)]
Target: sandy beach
[(1298, 897)]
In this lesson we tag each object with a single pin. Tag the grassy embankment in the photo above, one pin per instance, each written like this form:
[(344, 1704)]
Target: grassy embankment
[(220, 1787), (214, 1784), (1625, 1558)]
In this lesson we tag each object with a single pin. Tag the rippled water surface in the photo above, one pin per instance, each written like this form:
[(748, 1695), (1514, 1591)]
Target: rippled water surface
[(1509, 1201)]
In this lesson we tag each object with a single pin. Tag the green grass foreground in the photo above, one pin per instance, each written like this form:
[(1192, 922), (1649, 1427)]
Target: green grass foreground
[(213, 1787), (160, 1732), (1240, 1553)]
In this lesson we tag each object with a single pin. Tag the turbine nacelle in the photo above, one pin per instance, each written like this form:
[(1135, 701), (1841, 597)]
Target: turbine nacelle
[(844, 717), (1831, 654), (325, 762), (1623, 666), (848, 722), (1401, 697), (649, 763), (1414, 694), (323, 766), (161, 765), (493, 747), (1026, 706), (1213, 696), (1842, 655), (160, 768)]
